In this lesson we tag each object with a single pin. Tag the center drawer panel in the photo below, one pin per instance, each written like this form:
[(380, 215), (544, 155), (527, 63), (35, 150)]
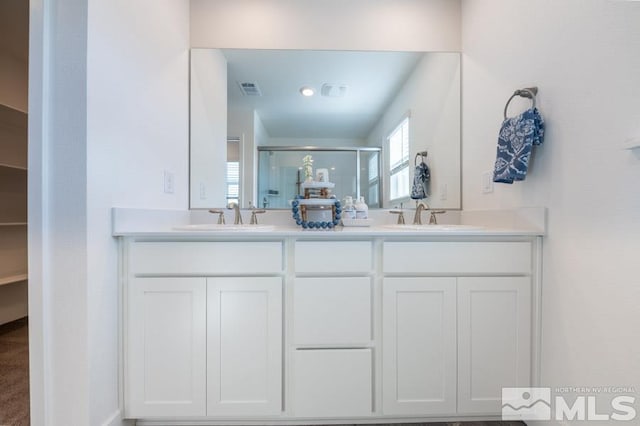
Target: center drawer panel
[(206, 258), (332, 311), (334, 256)]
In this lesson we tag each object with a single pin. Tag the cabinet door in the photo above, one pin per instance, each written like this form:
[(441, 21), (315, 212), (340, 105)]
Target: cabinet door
[(419, 346), (244, 346), (166, 348), (494, 329)]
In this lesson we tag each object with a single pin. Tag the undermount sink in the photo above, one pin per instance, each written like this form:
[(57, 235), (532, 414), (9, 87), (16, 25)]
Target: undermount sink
[(435, 228), (213, 227)]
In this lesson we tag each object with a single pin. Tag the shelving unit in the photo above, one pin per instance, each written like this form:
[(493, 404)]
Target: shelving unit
[(13, 213)]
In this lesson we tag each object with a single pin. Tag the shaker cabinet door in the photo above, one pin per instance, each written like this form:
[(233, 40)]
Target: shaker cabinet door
[(166, 348), (494, 340), (244, 346), (419, 346)]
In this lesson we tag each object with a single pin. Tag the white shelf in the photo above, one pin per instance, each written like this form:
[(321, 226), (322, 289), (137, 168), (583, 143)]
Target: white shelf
[(6, 109), (13, 279), (13, 224), (13, 167), (13, 139)]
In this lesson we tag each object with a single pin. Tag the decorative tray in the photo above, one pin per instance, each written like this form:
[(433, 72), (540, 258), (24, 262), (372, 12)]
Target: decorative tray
[(317, 201), (315, 184), (316, 213), (357, 222)]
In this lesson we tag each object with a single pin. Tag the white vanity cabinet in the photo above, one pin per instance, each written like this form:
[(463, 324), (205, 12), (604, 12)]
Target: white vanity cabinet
[(203, 327), (448, 304), (312, 326)]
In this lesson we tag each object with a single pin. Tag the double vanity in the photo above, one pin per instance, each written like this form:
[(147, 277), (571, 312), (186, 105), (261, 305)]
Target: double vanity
[(274, 324)]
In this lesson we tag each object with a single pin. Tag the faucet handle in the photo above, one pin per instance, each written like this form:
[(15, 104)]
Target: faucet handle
[(220, 217), (254, 217), (433, 219), (400, 214)]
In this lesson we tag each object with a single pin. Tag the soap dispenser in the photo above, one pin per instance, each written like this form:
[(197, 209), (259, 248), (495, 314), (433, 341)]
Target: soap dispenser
[(349, 211), (362, 210)]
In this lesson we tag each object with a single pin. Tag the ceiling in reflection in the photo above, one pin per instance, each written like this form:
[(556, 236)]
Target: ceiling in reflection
[(371, 79)]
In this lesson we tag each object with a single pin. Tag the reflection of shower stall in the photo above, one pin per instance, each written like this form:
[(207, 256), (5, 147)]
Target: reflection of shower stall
[(354, 170)]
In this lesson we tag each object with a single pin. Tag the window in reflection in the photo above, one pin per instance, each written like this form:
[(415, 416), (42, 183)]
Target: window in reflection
[(399, 162), (232, 176)]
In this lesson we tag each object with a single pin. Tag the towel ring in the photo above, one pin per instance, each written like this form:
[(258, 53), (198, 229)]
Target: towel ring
[(527, 92), (422, 156)]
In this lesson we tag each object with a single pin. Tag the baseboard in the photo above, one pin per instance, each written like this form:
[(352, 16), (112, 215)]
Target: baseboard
[(116, 420)]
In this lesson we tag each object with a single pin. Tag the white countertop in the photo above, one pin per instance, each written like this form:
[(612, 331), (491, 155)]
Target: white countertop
[(172, 224), (285, 231)]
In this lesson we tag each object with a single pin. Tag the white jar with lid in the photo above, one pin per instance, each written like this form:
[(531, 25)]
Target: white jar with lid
[(362, 210)]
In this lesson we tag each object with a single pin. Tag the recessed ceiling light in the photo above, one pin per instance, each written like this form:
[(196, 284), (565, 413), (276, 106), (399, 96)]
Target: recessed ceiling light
[(307, 91)]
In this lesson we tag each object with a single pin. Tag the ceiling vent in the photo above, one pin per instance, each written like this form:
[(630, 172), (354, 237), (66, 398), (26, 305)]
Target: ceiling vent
[(333, 90), (249, 88)]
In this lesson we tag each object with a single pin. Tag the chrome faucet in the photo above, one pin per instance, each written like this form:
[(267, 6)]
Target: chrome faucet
[(220, 214), (238, 217), (254, 217), (400, 214), (417, 218), (433, 220)]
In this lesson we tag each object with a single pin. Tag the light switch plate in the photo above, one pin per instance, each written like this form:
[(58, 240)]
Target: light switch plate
[(168, 182), (487, 182), (443, 191)]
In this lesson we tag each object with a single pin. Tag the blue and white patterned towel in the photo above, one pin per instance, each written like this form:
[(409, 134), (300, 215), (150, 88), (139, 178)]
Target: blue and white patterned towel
[(421, 178), (517, 136)]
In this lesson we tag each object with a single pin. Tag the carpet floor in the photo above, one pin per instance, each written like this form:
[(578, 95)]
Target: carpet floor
[(14, 373)]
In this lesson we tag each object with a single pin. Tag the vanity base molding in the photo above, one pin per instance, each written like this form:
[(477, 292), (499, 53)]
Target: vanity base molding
[(308, 421), (265, 330)]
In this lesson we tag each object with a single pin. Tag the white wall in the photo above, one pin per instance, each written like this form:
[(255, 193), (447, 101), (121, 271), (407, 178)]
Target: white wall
[(137, 127), (240, 123), (329, 24), (109, 113), (57, 214), (208, 128), (431, 95), (585, 58)]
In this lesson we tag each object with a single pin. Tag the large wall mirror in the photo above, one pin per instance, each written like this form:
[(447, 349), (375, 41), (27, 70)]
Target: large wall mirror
[(363, 116)]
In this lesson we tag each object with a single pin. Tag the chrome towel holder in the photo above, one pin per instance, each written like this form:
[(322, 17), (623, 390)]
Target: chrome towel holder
[(422, 155), (527, 92)]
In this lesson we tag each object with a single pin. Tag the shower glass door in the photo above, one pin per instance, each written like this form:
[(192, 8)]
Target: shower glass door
[(354, 171)]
